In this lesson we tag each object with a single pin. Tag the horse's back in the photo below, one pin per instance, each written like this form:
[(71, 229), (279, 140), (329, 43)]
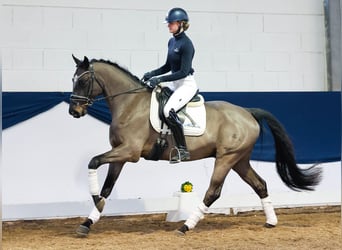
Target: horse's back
[(227, 110), (232, 121)]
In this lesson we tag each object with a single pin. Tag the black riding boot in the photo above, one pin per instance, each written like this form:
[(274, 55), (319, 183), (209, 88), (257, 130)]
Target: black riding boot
[(176, 127)]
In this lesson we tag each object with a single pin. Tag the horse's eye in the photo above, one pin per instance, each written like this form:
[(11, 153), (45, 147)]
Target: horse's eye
[(83, 82)]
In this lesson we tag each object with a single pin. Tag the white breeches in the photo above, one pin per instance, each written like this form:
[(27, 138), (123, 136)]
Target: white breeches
[(184, 89)]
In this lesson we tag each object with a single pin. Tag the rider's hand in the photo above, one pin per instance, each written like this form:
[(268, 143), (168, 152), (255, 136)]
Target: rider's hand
[(147, 76), (154, 81)]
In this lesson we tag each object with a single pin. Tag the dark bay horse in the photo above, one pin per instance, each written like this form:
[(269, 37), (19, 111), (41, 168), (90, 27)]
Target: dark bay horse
[(230, 136)]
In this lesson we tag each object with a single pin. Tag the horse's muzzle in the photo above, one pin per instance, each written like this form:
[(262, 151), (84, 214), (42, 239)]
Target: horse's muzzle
[(77, 111)]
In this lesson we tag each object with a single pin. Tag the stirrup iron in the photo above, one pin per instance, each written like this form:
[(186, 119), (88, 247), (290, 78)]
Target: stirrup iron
[(182, 154), (174, 157)]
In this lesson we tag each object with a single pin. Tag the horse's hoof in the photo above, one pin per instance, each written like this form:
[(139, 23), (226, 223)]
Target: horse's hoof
[(267, 225), (182, 230), (179, 233), (100, 205), (82, 231)]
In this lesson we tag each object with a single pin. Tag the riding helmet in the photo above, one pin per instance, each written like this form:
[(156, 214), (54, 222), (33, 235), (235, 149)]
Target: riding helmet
[(176, 14)]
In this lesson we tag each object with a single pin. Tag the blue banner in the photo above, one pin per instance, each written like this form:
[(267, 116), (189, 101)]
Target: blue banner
[(312, 119)]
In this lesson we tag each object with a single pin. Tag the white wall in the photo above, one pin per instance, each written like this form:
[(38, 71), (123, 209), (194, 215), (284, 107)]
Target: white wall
[(44, 169), (241, 45)]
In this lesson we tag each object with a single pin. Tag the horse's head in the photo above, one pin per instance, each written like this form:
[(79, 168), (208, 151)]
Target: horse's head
[(84, 89)]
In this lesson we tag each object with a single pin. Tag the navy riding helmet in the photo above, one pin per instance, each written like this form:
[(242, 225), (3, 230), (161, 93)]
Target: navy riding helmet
[(176, 14)]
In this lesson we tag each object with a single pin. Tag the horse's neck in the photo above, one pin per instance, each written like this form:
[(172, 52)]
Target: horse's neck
[(117, 83), (127, 109)]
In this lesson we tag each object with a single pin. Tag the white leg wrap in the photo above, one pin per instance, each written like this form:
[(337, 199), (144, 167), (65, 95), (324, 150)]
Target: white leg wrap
[(93, 182), (271, 217), (94, 215), (196, 216)]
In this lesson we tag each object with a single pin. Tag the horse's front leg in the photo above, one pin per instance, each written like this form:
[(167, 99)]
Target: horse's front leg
[(114, 171), (117, 158)]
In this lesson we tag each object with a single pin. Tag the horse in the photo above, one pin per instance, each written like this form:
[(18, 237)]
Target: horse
[(230, 135)]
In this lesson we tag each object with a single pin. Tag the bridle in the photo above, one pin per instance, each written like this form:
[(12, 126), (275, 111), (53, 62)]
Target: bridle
[(87, 100)]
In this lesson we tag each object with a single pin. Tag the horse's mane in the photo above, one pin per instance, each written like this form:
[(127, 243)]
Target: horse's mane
[(124, 70)]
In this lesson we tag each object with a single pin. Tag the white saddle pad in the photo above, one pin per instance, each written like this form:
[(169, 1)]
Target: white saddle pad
[(194, 125)]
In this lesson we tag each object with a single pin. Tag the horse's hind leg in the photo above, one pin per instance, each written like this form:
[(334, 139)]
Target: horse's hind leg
[(247, 173), (221, 169), (114, 171)]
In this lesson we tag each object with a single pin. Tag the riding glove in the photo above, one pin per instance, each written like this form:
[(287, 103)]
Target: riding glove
[(147, 76), (154, 81)]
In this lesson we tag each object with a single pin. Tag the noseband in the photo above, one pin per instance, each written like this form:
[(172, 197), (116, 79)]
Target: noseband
[(87, 100)]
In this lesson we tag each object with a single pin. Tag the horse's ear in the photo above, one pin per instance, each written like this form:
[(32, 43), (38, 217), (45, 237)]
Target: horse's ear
[(85, 63), (76, 60), (82, 64)]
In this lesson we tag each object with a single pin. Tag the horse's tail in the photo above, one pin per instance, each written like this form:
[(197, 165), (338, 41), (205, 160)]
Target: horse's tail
[(294, 177)]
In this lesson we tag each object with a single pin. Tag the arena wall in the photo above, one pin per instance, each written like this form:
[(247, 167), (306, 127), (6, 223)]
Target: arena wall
[(45, 175), (241, 45)]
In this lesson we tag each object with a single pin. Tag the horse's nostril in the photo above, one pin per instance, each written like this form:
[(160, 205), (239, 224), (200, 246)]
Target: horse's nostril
[(74, 113)]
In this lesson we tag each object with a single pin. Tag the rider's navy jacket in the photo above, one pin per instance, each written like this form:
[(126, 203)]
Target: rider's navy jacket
[(179, 59)]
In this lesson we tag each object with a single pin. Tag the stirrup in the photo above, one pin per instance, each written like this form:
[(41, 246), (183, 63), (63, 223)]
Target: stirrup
[(179, 156)]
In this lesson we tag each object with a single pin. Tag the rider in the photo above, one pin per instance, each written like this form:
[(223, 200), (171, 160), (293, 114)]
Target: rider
[(181, 81)]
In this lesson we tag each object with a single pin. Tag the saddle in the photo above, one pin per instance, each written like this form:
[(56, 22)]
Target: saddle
[(192, 115)]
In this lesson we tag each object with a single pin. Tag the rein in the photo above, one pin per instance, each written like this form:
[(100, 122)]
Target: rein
[(131, 91), (89, 101)]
